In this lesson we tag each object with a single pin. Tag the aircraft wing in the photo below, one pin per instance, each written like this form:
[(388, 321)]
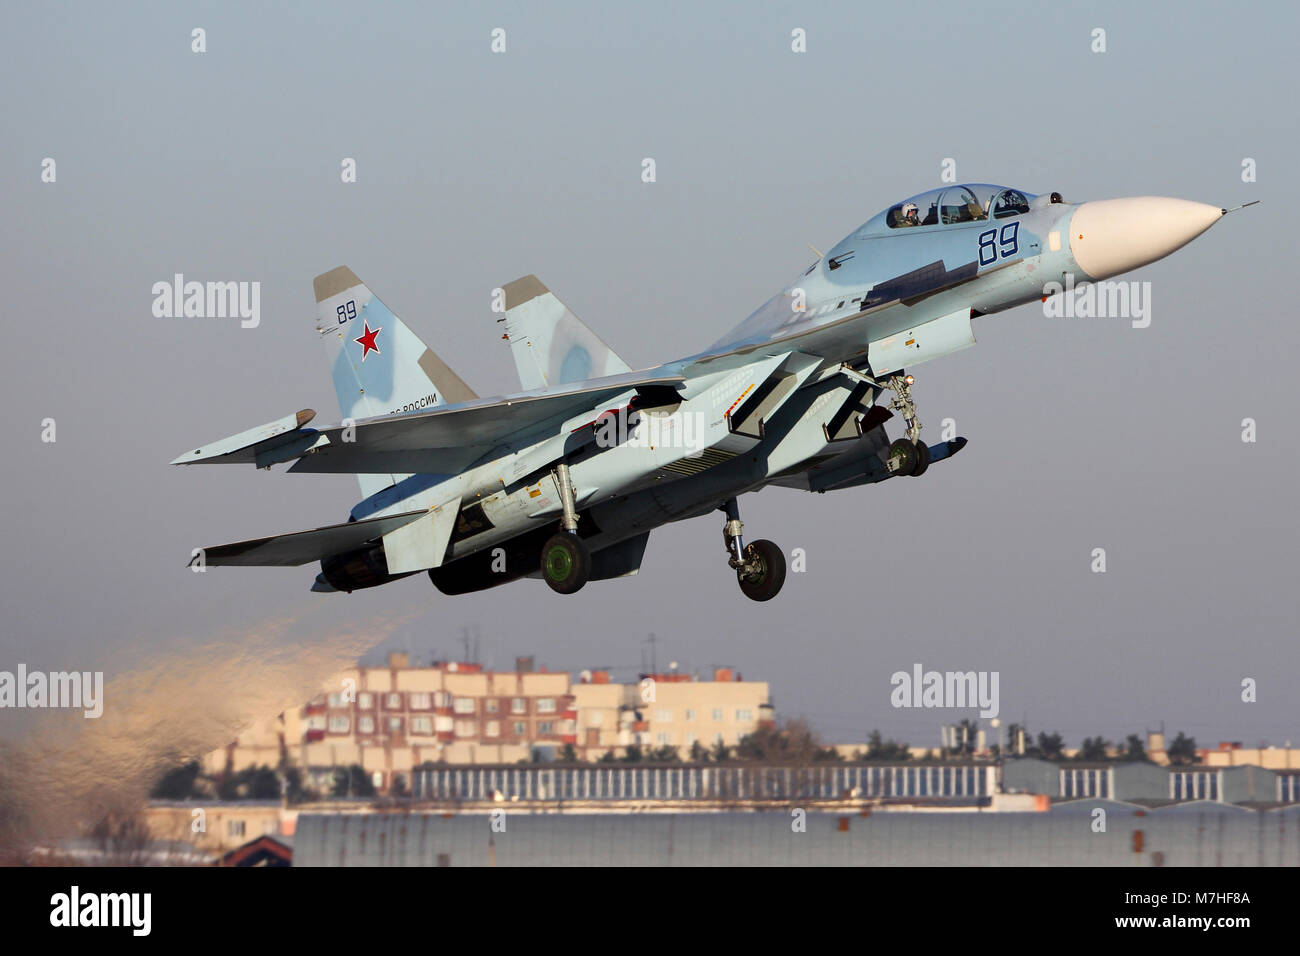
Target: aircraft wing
[(444, 440), (303, 547)]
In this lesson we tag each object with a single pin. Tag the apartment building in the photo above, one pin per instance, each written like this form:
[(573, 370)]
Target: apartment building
[(391, 719), (668, 709)]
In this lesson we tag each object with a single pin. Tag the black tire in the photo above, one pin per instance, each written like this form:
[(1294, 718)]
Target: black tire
[(922, 459), (903, 453), (766, 583), (565, 563)]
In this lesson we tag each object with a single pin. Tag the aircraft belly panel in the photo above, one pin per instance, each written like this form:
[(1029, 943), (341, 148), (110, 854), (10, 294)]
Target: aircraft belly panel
[(910, 347), (800, 433)]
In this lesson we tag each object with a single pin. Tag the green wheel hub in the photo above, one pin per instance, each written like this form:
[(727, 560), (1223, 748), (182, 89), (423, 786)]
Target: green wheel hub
[(559, 563)]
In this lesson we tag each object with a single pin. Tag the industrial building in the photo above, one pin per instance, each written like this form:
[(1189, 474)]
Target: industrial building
[(1184, 835), (1142, 782), (449, 806), (962, 781)]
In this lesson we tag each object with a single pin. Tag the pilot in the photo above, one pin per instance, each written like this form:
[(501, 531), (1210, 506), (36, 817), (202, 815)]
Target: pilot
[(908, 216)]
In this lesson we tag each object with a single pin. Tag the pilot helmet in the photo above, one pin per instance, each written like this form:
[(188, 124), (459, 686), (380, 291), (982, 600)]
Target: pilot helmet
[(909, 210)]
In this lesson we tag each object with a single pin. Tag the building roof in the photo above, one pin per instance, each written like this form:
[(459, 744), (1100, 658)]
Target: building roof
[(263, 851)]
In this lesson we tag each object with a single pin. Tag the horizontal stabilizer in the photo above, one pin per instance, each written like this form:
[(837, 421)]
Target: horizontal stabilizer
[(443, 440), (280, 440), (303, 547), (447, 440)]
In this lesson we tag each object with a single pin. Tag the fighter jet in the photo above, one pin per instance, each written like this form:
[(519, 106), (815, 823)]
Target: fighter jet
[(566, 479)]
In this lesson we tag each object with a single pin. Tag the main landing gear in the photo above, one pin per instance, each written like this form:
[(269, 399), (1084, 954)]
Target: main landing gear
[(759, 566), (565, 560)]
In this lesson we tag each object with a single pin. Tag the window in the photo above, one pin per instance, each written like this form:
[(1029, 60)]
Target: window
[(664, 738), (466, 728), (420, 701), (918, 211), (664, 716), (492, 705), (546, 728), (519, 706), (1010, 202), (366, 700), (520, 728), (422, 726), (441, 698), (393, 702), (717, 713), (338, 700), (394, 725), (952, 205), (546, 705), (690, 714), (340, 724), (959, 204), (316, 722), (365, 724), (492, 728), (744, 714), (235, 828), (464, 705)]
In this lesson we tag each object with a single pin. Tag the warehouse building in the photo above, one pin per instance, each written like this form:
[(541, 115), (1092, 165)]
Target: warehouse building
[(1138, 781)]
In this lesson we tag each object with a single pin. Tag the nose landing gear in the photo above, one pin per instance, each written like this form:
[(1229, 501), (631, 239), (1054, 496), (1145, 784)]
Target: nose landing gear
[(909, 455), (759, 566), (906, 458)]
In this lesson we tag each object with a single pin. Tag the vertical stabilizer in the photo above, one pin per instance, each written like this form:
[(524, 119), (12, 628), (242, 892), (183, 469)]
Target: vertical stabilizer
[(551, 345), (379, 366)]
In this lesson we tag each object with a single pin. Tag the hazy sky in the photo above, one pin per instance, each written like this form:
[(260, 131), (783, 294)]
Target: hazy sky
[(475, 168)]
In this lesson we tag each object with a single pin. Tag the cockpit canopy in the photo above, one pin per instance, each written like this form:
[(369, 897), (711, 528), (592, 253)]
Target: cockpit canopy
[(951, 205)]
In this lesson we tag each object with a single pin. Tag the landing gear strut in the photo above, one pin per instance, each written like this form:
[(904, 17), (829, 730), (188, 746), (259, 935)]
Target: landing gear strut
[(565, 560), (910, 455), (906, 456), (759, 566)]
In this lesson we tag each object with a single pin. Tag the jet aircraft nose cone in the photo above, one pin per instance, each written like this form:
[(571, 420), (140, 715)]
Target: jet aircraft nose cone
[(1111, 236)]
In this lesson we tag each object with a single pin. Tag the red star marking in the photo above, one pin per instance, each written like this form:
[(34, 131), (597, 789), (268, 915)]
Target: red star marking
[(367, 341)]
